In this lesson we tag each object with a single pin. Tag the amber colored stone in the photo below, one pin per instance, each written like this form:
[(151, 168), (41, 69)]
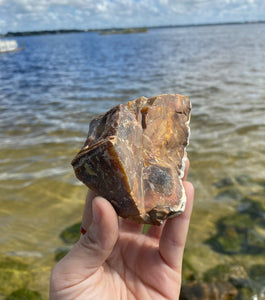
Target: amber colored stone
[(134, 156)]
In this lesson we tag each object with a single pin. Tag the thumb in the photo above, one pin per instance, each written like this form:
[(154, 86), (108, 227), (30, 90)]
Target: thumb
[(98, 242), (95, 245)]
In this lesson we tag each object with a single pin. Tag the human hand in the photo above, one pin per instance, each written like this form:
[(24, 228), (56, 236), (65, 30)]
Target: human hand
[(113, 260)]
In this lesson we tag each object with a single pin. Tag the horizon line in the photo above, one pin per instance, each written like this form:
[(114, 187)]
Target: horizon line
[(58, 31)]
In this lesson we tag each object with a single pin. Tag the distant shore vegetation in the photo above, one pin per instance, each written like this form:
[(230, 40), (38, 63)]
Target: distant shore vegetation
[(64, 31), (115, 30), (123, 31)]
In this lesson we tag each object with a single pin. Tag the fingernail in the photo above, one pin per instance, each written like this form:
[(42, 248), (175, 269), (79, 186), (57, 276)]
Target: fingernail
[(96, 214), (82, 230)]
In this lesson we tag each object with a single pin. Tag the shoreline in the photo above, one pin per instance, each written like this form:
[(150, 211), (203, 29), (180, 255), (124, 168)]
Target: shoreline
[(124, 30)]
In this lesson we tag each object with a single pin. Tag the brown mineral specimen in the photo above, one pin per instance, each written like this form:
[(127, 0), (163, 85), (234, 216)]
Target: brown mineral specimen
[(134, 156)]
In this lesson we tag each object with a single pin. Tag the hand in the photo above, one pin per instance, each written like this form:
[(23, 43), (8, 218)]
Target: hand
[(115, 261)]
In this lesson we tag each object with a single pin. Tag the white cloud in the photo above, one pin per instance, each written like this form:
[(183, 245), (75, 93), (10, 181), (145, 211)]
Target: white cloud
[(22, 15)]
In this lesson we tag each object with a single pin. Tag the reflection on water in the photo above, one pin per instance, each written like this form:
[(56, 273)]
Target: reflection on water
[(50, 92)]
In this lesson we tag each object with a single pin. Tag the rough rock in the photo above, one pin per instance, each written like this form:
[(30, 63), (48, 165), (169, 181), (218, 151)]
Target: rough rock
[(135, 154)]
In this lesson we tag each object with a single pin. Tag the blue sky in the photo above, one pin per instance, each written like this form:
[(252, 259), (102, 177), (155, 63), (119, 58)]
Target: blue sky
[(23, 15)]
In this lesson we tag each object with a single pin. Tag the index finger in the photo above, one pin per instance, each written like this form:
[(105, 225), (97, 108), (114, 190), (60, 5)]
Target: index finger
[(173, 238), (187, 165)]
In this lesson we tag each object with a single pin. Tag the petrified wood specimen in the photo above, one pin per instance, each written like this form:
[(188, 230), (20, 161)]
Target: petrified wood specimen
[(134, 156)]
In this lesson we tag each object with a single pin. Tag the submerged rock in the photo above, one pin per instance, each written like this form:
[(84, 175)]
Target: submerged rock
[(257, 274), (234, 274), (71, 234), (24, 294), (224, 182), (189, 273), (243, 179), (60, 253), (237, 234), (253, 208), (14, 274), (225, 272), (208, 291), (231, 193), (134, 156)]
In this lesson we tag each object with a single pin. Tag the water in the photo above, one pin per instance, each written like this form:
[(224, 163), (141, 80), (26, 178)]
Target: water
[(50, 92)]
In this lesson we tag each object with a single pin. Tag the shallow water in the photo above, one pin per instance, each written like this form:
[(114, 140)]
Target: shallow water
[(50, 92)]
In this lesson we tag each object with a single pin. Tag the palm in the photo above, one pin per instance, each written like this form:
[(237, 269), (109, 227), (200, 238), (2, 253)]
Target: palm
[(134, 270), (142, 271), (114, 260)]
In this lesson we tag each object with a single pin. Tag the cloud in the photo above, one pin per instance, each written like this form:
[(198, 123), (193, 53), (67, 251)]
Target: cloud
[(19, 15)]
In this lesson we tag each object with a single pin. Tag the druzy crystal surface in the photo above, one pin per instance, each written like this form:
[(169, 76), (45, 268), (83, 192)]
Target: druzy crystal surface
[(134, 156)]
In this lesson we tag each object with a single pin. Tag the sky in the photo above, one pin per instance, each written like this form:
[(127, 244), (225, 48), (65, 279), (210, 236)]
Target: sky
[(31, 15)]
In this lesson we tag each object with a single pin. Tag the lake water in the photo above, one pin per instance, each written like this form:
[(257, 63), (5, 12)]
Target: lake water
[(49, 93)]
